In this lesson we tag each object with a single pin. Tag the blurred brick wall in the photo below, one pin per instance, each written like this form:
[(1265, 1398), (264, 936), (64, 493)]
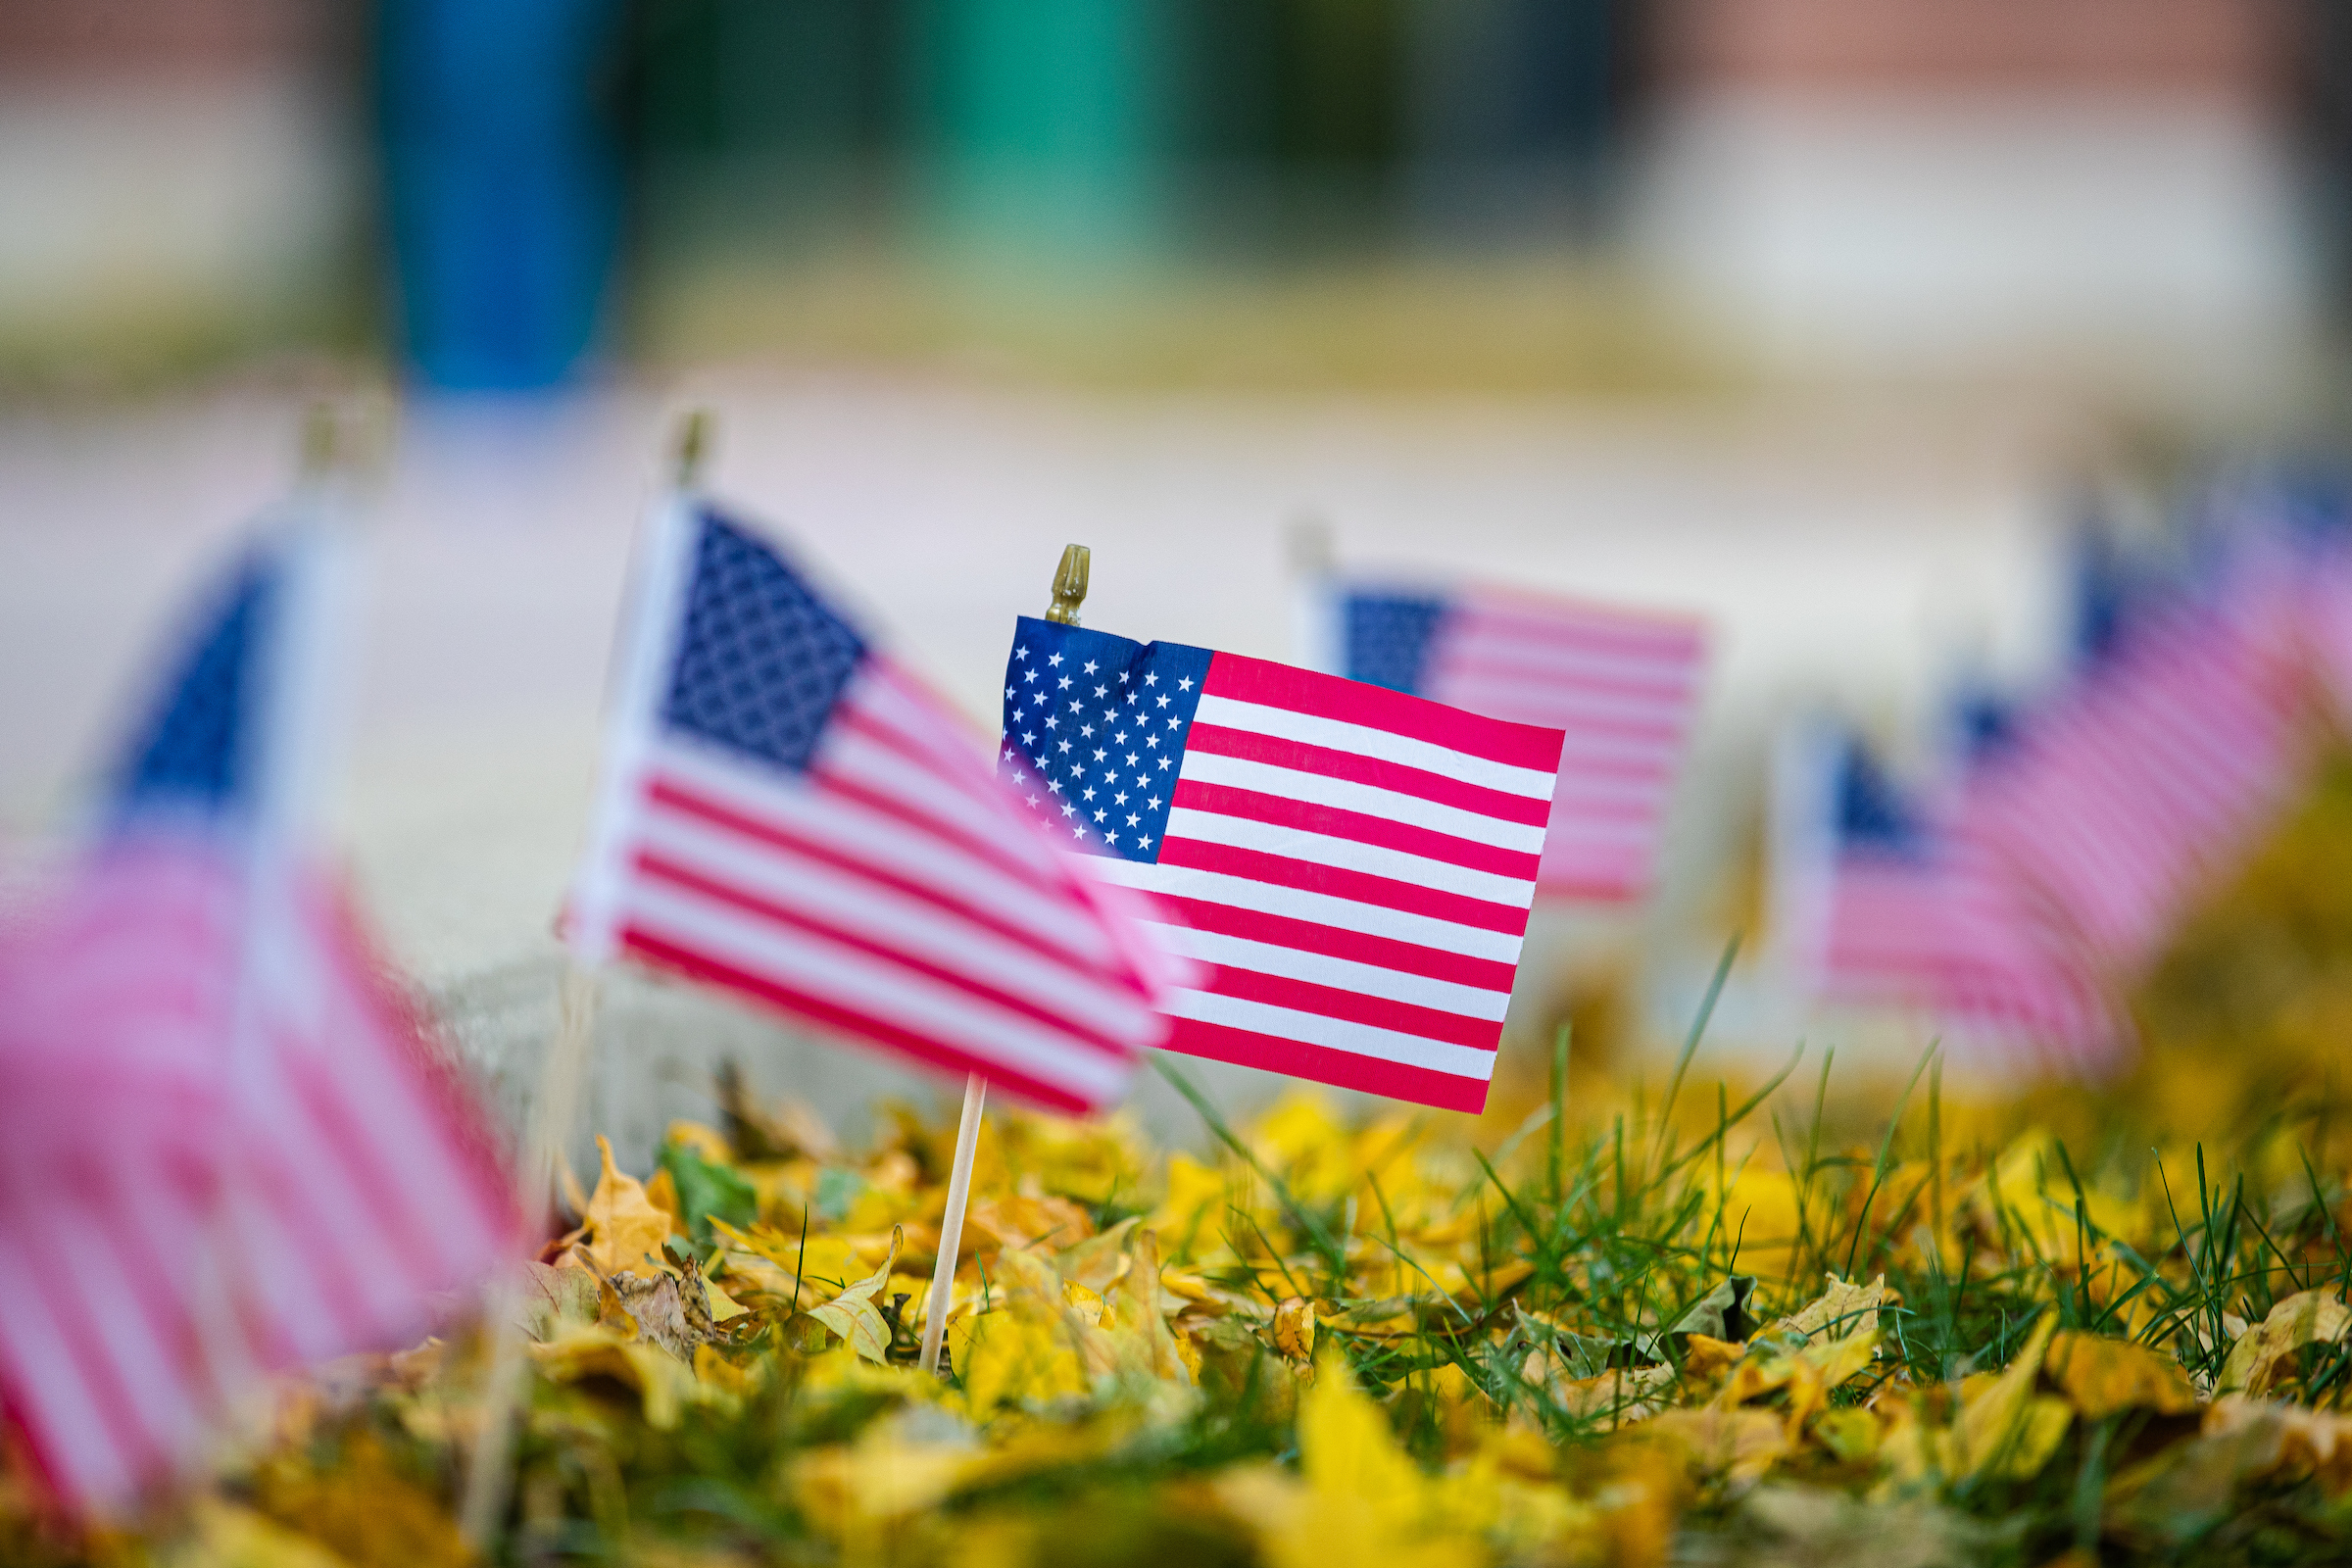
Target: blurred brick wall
[(95, 40), (2229, 50)]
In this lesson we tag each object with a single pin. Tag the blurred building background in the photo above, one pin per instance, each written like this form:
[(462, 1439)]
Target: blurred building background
[(1613, 193), (1812, 315)]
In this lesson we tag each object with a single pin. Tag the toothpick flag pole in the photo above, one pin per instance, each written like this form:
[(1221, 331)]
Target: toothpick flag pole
[(555, 1107), (1069, 592)]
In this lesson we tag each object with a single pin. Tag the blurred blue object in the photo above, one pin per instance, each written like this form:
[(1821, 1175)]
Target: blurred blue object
[(503, 186)]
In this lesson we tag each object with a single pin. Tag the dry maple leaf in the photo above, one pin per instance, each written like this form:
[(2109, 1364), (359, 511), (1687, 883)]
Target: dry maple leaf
[(626, 1230)]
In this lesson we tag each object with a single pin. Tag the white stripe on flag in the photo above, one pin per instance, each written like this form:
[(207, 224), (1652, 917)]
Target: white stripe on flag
[(1350, 855), (1336, 1034), (1321, 908), (1340, 974)]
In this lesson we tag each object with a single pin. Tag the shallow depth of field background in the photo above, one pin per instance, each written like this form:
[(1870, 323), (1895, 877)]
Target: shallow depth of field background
[(1828, 318)]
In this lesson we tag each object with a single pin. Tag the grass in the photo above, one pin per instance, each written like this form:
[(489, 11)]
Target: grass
[(1796, 1319)]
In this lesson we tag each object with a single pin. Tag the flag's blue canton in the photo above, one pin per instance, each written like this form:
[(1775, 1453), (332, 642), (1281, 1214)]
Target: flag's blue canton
[(2106, 586), (1986, 724), (1870, 810), (1095, 728), (1388, 638), (762, 660), (197, 750)]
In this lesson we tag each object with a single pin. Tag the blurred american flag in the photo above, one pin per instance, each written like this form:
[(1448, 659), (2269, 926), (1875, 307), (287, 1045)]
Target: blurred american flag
[(228, 1148)]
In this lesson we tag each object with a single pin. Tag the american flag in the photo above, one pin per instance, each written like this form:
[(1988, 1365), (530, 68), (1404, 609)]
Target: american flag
[(227, 1147), (789, 816), (1357, 864), (2182, 732), (1883, 906), (1623, 686)]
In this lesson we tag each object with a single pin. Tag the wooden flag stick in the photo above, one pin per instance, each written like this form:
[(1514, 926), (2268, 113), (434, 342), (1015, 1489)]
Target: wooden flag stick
[(555, 1107), (490, 1472), (950, 1223), (1069, 592)]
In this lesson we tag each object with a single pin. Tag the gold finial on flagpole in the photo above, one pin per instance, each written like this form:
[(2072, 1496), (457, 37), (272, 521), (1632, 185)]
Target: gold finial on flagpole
[(1069, 585), (694, 448)]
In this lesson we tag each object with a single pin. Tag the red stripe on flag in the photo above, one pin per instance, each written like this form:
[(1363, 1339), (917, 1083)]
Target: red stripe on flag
[(1305, 691), (1321, 1065)]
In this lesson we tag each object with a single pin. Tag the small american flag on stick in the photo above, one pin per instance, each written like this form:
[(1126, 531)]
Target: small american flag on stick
[(226, 1146), (790, 816), (1357, 863), (1883, 906), (1624, 687), (2157, 762)]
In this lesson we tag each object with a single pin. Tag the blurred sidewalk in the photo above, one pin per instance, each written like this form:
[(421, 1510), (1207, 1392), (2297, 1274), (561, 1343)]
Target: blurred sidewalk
[(1842, 553)]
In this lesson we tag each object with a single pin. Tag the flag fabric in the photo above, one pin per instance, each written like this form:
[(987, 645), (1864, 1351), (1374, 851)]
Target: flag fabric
[(1624, 687), (1355, 862), (1885, 905), (2163, 752), (2326, 615), (227, 1147), (787, 815)]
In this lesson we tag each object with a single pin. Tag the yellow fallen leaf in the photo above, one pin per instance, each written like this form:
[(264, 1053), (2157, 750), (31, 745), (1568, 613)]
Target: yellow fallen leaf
[(1019, 1355), (624, 1227), (1135, 1309), (1083, 1302), (662, 1193), (226, 1536), (2102, 1377), (661, 1381), (363, 1507), (1852, 1434), (1295, 1329), (1843, 1308), (723, 1306), (2005, 1427), (2314, 1442), (854, 1315), (2257, 1360), (1363, 1500), (704, 1140), (1628, 1395), (1737, 1446), (1704, 1357), (1195, 1204)]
